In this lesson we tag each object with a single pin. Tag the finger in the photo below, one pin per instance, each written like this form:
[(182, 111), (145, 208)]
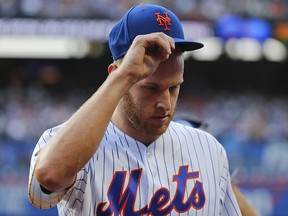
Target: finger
[(166, 42), (171, 42), (161, 44)]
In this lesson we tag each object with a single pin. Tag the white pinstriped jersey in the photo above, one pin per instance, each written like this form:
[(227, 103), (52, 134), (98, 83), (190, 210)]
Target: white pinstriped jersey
[(184, 172)]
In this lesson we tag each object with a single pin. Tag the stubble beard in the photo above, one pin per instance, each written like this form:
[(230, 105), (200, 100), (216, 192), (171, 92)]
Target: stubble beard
[(137, 118)]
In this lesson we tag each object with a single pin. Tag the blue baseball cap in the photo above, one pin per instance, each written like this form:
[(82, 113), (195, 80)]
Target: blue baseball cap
[(145, 19)]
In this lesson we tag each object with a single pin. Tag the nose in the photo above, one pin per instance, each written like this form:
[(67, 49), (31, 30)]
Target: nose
[(164, 100)]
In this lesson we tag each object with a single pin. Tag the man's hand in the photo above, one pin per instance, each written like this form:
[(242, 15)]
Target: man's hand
[(145, 54)]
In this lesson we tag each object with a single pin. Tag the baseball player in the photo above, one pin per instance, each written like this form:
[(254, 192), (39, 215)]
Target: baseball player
[(120, 153)]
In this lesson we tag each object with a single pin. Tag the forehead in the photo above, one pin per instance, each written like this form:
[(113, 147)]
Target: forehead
[(171, 69)]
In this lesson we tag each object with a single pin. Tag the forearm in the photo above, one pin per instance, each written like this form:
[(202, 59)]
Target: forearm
[(76, 142)]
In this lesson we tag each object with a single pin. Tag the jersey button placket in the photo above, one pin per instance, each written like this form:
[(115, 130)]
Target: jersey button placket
[(150, 159)]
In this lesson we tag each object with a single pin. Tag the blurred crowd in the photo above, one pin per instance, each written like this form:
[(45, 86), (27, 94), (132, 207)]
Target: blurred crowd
[(205, 10), (253, 128)]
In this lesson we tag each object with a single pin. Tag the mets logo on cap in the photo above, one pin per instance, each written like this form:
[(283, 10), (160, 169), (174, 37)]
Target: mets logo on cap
[(164, 20)]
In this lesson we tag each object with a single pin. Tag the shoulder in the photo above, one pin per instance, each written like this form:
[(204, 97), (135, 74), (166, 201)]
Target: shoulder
[(51, 131), (183, 128), (198, 137), (47, 135)]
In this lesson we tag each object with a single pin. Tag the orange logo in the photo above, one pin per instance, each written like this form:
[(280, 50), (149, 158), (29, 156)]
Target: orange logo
[(164, 21)]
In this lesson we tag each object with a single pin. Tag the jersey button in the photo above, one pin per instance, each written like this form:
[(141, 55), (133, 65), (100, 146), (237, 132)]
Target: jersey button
[(148, 155)]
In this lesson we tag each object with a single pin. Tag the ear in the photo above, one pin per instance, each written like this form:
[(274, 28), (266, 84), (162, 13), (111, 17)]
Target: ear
[(112, 67)]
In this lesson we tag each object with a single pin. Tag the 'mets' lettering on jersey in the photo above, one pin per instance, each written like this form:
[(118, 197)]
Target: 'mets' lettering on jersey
[(122, 200)]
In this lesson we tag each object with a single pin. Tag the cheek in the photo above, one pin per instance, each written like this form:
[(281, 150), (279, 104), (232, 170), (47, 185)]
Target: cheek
[(144, 98), (174, 101), (141, 104), (146, 104)]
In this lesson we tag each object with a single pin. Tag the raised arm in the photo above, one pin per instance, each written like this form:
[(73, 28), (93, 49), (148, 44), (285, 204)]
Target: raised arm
[(76, 142)]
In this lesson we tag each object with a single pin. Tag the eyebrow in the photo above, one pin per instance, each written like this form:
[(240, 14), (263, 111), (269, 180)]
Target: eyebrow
[(157, 84)]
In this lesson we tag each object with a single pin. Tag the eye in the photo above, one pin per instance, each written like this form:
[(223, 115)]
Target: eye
[(151, 87), (174, 88)]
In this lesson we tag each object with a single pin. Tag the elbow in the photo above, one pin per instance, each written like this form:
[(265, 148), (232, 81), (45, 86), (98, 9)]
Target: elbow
[(49, 179)]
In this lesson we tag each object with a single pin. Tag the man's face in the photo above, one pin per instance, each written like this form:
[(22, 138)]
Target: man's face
[(150, 104)]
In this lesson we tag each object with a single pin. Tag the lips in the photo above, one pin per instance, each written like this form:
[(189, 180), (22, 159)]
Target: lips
[(162, 119)]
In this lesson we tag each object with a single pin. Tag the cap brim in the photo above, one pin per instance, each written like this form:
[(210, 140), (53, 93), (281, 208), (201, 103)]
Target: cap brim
[(187, 45)]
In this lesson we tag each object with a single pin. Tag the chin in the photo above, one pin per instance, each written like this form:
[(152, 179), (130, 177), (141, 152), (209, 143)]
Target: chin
[(157, 131)]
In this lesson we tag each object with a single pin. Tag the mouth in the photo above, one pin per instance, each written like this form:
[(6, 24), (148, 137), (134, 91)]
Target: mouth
[(161, 119)]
